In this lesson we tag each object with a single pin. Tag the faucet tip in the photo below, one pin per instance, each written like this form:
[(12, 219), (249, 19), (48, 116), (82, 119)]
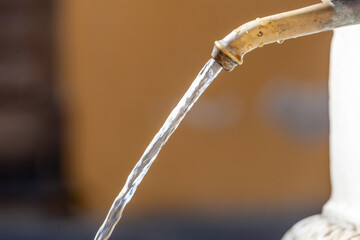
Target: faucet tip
[(223, 60)]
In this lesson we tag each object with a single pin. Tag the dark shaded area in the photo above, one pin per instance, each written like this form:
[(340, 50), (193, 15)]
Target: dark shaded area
[(170, 227), (30, 116)]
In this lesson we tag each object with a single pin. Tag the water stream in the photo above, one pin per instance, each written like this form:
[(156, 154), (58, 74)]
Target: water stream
[(202, 81)]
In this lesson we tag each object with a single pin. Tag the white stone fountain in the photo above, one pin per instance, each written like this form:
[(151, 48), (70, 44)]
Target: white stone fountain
[(340, 218)]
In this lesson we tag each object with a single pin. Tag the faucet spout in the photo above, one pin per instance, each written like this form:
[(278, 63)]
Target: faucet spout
[(229, 51)]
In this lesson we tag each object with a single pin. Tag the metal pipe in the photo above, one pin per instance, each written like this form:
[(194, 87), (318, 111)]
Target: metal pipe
[(229, 51)]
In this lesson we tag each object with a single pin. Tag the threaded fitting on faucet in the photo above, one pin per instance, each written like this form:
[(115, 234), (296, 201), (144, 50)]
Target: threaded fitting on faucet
[(223, 60)]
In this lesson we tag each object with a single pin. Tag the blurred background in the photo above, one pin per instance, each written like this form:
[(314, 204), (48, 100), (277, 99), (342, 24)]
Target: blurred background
[(85, 85)]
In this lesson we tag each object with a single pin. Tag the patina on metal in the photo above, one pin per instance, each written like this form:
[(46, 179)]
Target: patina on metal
[(229, 51)]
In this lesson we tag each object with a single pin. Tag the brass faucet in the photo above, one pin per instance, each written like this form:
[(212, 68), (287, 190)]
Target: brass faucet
[(229, 51)]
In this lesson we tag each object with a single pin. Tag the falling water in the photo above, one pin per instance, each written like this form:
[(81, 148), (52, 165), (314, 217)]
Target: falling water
[(202, 81)]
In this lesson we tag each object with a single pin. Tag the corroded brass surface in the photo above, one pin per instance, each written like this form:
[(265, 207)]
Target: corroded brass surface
[(277, 28)]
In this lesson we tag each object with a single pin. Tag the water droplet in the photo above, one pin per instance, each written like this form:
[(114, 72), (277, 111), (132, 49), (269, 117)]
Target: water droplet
[(261, 45), (280, 41), (247, 32), (249, 46), (260, 33)]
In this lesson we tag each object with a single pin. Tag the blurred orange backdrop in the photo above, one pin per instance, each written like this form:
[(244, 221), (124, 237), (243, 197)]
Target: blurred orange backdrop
[(256, 138)]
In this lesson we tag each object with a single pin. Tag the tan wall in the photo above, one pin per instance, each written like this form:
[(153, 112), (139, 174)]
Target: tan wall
[(126, 63)]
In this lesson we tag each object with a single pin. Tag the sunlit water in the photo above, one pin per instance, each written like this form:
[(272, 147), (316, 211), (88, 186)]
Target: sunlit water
[(202, 81)]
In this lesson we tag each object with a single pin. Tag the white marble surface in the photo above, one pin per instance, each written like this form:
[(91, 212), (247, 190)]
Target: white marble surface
[(320, 227), (340, 219), (344, 203)]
